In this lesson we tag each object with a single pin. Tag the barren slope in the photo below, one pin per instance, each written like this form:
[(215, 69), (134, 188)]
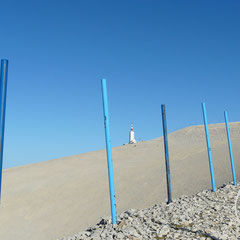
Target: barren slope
[(60, 197)]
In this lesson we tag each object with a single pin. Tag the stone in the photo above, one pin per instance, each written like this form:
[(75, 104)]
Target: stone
[(206, 215)]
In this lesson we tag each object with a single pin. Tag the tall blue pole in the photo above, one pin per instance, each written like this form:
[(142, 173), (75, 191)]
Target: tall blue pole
[(208, 146), (165, 136), (3, 95), (109, 151), (230, 147)]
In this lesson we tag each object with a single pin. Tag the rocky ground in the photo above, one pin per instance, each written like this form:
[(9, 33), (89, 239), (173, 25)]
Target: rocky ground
[(206, 215)]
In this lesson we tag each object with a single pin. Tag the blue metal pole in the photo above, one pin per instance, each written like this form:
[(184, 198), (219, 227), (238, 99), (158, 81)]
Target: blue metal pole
[(208, 146), (165, 136), (109, 151), (3, 94), (230, 148)]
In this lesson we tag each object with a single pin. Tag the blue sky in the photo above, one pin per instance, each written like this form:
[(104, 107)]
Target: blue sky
[(151, 52)]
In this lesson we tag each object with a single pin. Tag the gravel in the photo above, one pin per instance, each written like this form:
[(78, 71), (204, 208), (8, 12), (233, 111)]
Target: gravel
[(206, 215)]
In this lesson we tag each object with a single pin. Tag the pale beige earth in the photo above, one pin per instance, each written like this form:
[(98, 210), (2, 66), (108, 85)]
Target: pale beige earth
[(58, 198)]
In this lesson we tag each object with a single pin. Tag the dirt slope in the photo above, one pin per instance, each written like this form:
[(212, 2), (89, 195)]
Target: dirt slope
[(60, 197)]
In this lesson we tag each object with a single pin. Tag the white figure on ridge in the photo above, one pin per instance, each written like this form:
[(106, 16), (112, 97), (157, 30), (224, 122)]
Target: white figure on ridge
[(131, 136)]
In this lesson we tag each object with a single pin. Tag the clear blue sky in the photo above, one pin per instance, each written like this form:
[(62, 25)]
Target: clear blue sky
[(151, 52)]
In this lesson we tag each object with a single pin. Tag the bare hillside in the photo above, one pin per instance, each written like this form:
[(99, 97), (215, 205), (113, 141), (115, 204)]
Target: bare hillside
[(60, 197)]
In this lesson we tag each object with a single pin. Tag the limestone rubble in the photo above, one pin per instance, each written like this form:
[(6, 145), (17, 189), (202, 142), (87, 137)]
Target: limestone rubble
[(206, 215)]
